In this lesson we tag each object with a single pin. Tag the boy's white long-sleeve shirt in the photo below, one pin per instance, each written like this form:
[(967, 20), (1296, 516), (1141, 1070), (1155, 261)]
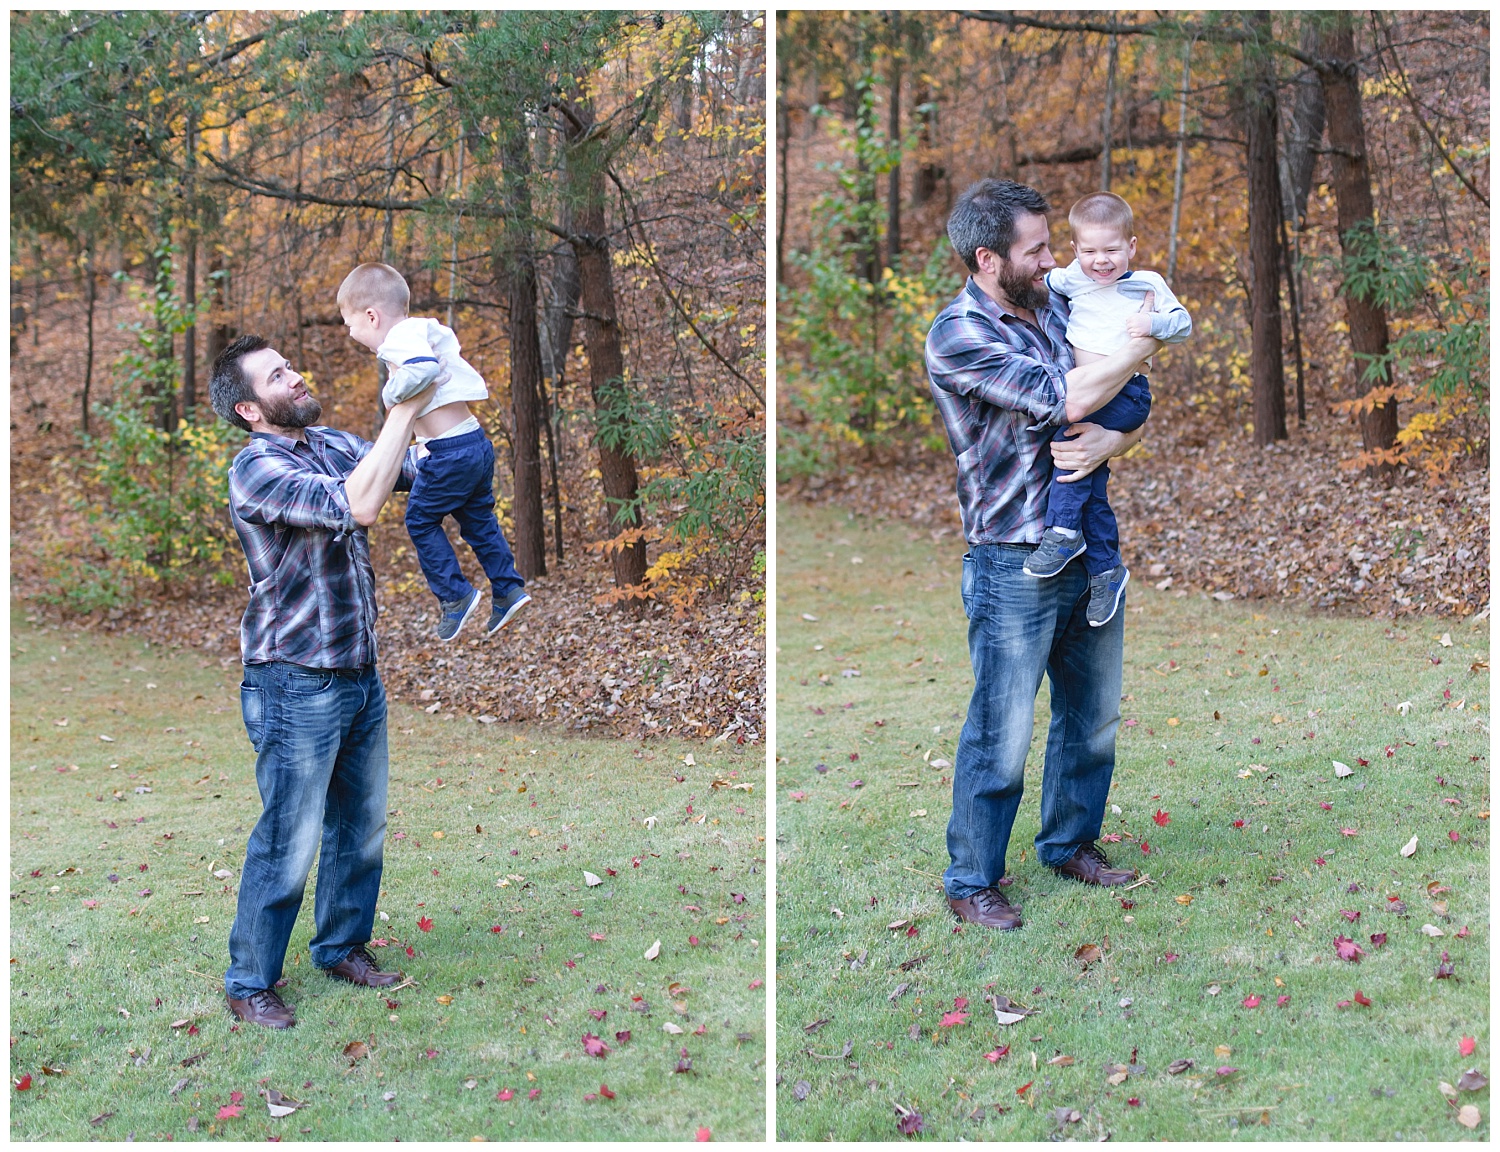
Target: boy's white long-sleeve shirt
[(1097, 312), (418, 350)]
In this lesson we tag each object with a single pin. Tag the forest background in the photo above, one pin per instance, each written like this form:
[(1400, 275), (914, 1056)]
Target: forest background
[(580, 196), (1313, 185)]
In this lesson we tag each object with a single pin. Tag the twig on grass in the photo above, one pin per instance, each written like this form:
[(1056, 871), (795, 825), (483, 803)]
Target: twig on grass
[(1146, 879), (919, 872)]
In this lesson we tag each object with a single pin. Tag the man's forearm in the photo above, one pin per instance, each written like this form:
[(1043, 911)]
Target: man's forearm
[(1091, 386), (369, 485)]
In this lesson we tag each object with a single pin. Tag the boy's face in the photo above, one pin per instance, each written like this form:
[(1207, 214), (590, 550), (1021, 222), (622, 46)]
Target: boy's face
[(1104, 253), (366, 327)]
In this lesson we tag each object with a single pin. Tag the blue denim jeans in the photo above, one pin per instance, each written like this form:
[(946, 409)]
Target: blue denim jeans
[(321, 766), (457, 478), (1020, 628)]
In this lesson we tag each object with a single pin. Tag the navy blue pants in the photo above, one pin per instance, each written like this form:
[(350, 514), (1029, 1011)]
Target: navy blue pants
[(457, 478), (1083, 505)]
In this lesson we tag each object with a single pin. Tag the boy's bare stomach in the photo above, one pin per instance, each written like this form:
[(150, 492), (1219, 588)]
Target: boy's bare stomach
[(1081, 357), (440, 420)]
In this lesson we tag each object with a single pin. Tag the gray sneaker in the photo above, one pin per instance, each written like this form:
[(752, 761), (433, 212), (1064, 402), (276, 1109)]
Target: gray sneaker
[(455, 614), (503, 610), (1106, 590), (1053, 553)]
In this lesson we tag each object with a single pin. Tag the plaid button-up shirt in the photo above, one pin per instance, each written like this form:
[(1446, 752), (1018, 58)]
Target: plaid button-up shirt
[(1000, 385), (312, 589)]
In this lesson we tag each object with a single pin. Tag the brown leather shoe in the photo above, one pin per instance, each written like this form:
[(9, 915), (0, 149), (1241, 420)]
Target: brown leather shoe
[(264, 1008), (1089, 865), (359, 967), (988, 908)]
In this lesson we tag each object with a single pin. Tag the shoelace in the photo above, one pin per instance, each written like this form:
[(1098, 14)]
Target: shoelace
[(1097, 853), (990, 898), (265, 998)]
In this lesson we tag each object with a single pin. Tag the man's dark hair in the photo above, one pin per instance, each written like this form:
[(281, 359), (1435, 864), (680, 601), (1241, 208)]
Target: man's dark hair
[(228, 385), (985, 217)]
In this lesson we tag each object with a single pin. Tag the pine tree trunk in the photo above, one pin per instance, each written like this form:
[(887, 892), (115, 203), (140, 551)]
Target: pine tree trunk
[(1369, 335), (1267, 380), (601, 336), (518, 271)]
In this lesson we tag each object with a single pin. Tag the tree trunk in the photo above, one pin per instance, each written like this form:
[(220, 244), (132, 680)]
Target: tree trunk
[(601, 335), (518, 270), (90, 296), (1109, 113), (1304, 134), (893, 219), (190, 281), (1268, 384), (1181, 169), (562, 302), (1369, 335), (925, 186)]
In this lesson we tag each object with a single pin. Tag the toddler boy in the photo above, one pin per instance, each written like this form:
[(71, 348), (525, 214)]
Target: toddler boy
[(1108, 304), (456, 476)]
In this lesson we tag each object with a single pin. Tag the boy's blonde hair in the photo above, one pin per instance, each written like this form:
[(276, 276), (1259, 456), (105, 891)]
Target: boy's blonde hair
[(374, 286), (1102, 209)]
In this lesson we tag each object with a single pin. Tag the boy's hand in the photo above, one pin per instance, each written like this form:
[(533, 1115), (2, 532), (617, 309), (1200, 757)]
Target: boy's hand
[(1140, 323)]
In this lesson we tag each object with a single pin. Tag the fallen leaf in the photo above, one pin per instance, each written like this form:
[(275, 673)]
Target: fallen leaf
[(1411, 847), (1342, 770), (230, 1111), (424, 923), (1347, 949), (1088, 954), (1177, 1067), (1185, 899), (1061, 1061), (1361, 999), (505, 1094), (591, 880), (1466, 1046), (671, 1028), (1468, 1116), (356, 1050), (24, 1083), (279, 1105), (1378, 939), (953, 1019), (594, 1046), (1472, 1081), (998, 1054), (1431, 930), (801, 1089), (1162, 818), (1021, 1091), (654, 951), (1251, 1001)]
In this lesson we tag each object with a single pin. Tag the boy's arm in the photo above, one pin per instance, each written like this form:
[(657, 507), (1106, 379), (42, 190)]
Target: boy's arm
[(412, 364), (1170, 322), (1069, 281)]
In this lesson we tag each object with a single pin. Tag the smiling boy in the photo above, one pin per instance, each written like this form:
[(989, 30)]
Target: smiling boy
[(1108, 305)]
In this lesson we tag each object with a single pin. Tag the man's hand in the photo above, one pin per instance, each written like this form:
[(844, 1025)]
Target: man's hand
[(1090, 446), (369, 485), (1140, 323)]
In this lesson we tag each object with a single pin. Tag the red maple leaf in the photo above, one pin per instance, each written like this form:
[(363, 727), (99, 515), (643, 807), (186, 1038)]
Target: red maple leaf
[(230, 1111), (425, 923), (622, 1037), (236, 1097), (1361, 998), (1169, 957), (595, 1046), (1465, 1046), (1252, 1001), (1378, 939), (1146, 848), (703, 1135), (598, 1013), (693, 940), (960, 1003), (24, 1083), (1349, 915), (1349, 831), (1021, 1091), (192, 1029), (912, 931), (1239, 823), (505, 1094), (1347, 949), (533, 1094), (1283, 1001), (498, 928), (410, 952), (1134, 1101), (951, 1019), (605, 1092), (998, 1054), (1162, 818)]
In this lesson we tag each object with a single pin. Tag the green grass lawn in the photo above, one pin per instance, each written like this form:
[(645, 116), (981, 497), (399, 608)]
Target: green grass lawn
[(132, 786), (1233, 712)]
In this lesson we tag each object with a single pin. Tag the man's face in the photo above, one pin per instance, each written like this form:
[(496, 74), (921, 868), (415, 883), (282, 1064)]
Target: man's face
[(280, 392), (1021, 276), (1104, 253)]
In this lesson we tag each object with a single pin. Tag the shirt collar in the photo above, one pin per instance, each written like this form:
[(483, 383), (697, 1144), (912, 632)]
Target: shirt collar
[(312, 432), (993, 306)]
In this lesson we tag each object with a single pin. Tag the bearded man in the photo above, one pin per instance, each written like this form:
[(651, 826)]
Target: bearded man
[(301, 497), (1004, 378)]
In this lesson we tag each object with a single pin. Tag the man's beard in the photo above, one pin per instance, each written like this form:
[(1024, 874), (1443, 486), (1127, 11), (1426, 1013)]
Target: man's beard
[(291, 413), (1019, 289)]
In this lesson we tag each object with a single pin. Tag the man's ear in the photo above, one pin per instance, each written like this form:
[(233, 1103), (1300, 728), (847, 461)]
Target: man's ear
[(986, 259), (249, 412)]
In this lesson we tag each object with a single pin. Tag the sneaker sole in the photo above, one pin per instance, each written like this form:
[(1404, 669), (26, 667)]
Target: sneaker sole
[(1048, 575), (1118, 596), (511, 611), (474, 607)]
